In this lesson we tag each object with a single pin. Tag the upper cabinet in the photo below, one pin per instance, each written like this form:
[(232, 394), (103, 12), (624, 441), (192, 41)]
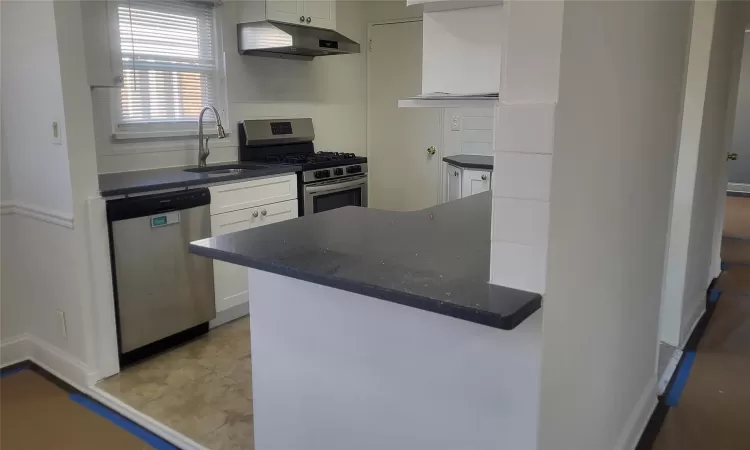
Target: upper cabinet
[(448, 5), (100, 41), (313, 13), (461, 56)]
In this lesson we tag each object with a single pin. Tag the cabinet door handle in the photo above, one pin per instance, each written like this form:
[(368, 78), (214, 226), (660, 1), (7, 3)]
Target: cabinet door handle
[(455, 173), (255, 213), (263, 213), (484, 177), (302, 19), (309, 19)]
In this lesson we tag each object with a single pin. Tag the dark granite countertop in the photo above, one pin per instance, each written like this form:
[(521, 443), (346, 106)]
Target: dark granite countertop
[(123, 183), (436, 259), (471, 161)]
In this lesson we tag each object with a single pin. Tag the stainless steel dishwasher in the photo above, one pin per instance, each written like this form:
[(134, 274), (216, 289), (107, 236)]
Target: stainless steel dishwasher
[(163, 294)]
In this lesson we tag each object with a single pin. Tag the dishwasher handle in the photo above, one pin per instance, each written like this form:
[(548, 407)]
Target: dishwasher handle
[(147, 205)]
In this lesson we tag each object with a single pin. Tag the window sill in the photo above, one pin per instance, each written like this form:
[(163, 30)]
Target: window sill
[(129, 135)]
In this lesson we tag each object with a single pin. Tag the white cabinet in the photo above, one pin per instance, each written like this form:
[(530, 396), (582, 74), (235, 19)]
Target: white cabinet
[(101, 43), (321, 13), (453, 182), (475, 181), (460, 183), (248, 194), (313, 13), (241, 206)]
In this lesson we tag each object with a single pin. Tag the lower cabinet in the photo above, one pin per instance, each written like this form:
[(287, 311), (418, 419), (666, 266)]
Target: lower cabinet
[(230, 280), (462, 182)]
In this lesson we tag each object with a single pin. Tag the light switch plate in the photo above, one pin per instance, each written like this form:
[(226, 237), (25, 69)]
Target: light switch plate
[(56, 132), (456, 124)]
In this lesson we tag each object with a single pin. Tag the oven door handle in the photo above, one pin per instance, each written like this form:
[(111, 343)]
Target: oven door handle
[(335, 186)]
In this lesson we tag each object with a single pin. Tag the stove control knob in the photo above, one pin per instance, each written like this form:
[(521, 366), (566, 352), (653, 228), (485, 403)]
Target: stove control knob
[(354, 169), (338, 171), (322, 173)]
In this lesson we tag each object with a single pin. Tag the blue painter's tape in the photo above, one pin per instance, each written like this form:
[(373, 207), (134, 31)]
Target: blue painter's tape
[(673, 397), (9, 372), (713, 295), (132, 428)]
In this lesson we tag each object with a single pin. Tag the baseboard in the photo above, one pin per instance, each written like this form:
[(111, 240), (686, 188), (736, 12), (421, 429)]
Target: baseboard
[(14, 350), (230, 314), (639, 418), (697, 315), (58, 362), (163, 431), (666, 377), (738, 187)]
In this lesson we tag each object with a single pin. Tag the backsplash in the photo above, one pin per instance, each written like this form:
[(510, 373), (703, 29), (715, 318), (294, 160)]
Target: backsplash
[(475, 131)]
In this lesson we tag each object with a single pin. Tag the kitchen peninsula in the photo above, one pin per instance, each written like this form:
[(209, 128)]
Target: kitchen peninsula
[(378, 329)]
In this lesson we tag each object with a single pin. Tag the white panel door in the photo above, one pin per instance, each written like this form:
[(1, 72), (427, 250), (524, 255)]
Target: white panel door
[(453, 183), (322, 13), (403, 175), (474, 182), (230, 280), (290, 11)]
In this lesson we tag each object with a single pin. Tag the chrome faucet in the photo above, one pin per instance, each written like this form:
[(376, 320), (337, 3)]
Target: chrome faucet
[(203, 151)]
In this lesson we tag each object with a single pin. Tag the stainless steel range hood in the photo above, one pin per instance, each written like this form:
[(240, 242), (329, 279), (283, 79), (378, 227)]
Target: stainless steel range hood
[(283, 40)]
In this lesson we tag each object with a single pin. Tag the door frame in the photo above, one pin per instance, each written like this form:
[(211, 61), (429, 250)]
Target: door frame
[(440, 194)]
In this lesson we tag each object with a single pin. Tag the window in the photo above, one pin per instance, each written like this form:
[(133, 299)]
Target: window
[(170, 67)]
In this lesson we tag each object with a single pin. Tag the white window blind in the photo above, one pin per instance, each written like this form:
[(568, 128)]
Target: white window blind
[(169, 64)]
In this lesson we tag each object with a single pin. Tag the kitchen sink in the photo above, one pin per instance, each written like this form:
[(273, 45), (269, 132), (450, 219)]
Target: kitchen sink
[(226, 169)]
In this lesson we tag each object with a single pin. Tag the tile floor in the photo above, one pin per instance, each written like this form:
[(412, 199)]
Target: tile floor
[(714, 409), (201, 389)]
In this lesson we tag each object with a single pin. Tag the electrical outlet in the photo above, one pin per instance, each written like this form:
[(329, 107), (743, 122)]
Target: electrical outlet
[(56, 133), (62, 324), (456, 124)]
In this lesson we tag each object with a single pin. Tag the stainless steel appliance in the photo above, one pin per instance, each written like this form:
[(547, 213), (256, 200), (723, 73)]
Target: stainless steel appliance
[(284, 40), (328, 180), (341, 187), (163, 294)]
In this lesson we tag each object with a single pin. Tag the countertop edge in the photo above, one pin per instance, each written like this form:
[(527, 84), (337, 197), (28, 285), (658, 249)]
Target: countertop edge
[(429, 304), (198, 183), (467, 165)]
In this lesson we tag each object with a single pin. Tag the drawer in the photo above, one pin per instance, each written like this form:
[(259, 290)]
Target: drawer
[(252, 193)]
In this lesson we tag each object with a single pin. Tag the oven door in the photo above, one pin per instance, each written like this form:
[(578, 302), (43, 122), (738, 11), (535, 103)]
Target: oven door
[(334, 194)]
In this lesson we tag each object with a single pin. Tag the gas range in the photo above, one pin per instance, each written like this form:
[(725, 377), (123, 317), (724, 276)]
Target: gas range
[(335, 164), (328, 180)]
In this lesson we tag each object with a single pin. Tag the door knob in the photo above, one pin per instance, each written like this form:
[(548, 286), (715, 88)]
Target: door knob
[(309, 19), (431, 150), (484, 177), (731, 156), (255, 213), (302, 19), (263, 213)]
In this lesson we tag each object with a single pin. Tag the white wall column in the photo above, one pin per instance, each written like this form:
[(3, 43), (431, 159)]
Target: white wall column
[(524, 135)]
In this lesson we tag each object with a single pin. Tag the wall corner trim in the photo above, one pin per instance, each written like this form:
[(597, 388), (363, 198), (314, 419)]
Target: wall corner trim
[(47, 356), (48, 215)]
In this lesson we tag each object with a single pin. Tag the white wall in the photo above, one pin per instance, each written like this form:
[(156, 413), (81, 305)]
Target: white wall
[(44, 253), (616, 128), (739, 171), (32, 100), (430, 382), (331, 90), (701, 168)]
